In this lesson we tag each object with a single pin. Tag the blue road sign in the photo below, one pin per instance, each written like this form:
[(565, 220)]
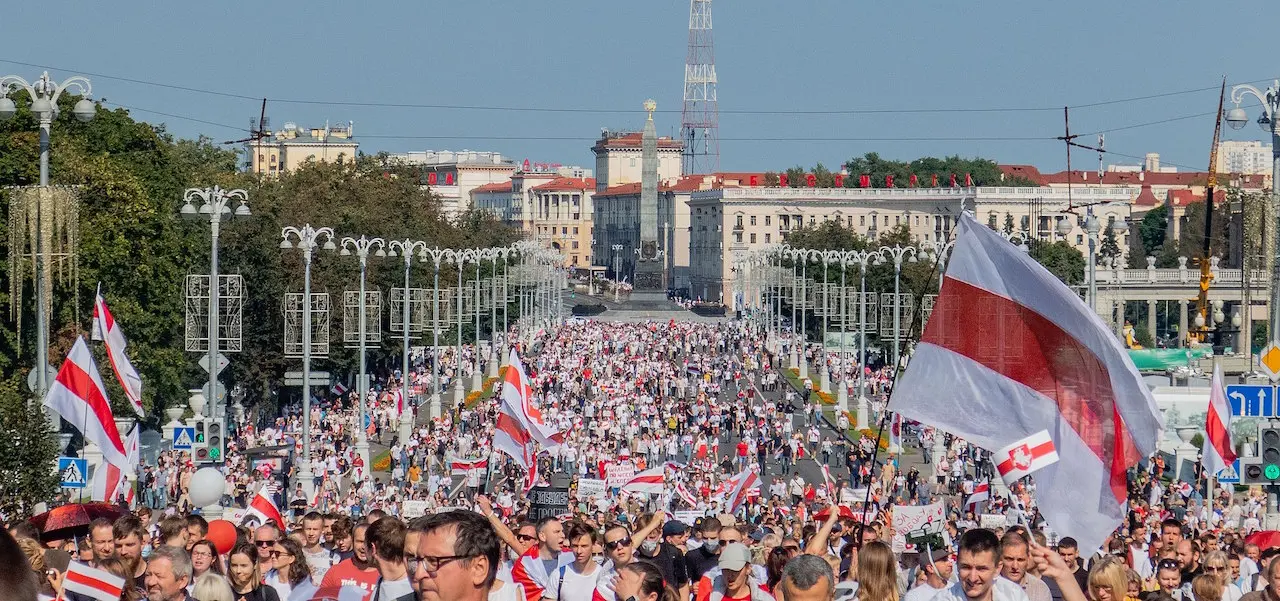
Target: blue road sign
[(1231, 474), (183, 438), (1252, 400), (73, 472)]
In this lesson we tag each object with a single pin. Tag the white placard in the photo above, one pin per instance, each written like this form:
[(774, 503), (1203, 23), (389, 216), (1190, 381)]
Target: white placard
[(413, 509), (992, 521), (688, 516), (619, 474), (590, 487), (930, 518)]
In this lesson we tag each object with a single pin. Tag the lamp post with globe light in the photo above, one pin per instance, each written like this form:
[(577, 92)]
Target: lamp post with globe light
[(215, 204), (407, 248), (1236, 118), (308, 241), (44, 94), (362, 245)]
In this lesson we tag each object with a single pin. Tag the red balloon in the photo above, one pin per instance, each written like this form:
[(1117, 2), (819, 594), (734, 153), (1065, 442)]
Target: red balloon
[(223, 535)]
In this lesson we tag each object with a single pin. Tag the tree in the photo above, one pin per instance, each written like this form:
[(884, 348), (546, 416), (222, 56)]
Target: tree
[(1008, 223), (1109, 248), (1061, 259), (795, 177), (984, 172), (28, 451)]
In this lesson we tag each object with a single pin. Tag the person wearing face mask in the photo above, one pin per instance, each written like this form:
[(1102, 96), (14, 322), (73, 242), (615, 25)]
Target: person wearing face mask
[(658, 549), (701, 560)]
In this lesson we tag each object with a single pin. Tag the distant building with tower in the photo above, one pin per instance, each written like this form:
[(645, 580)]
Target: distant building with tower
[(619, 160), (287, 149)]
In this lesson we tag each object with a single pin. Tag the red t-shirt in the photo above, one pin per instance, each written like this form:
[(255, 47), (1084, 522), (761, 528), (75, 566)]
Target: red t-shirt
[(742, 449), (346, 576)]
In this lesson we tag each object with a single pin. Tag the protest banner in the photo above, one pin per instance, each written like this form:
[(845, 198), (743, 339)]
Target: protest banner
[(548, 501), (590, 487)]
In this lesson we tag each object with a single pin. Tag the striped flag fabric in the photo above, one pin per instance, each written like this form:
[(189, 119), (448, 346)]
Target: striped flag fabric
[(740, 487), (79, 396), (685, 495), (519, 430), (265, 508), (92, 582), (108, 331), (1218, 451), (981, 492), (1017, 352), (650, 481), (462, 467), (110, 481), (830, 482), (1024, 457)]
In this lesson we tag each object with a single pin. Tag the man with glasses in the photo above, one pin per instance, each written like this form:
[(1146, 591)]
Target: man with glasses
[(457, 557), (352, 576), (265, 538)]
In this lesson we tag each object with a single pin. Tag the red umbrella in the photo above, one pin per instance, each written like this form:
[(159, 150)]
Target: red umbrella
[(73, 518), (1265, 539)]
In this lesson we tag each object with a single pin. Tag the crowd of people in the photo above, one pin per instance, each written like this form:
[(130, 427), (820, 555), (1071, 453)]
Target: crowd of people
[(765, 494)]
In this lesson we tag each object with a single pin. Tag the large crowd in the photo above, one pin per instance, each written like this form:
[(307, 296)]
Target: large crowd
[(709, 406)]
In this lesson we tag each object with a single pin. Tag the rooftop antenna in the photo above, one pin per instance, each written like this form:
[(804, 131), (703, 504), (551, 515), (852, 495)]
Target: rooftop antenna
[(256, 133)]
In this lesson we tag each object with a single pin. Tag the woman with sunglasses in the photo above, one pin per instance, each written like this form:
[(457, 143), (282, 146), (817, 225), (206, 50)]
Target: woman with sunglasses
[(291, 576), (1216, 565), (246, 579)]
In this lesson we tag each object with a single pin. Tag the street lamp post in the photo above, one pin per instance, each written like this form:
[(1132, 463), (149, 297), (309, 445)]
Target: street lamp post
[(1236, 118), (897, 253), (461, 257), (617, 260), (44, 94), (215, 205), (362, 246), (406, 248), (308, 240), (862, 258), (828, 257)]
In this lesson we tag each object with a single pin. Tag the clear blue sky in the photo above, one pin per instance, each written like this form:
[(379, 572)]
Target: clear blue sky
[(610, 54)]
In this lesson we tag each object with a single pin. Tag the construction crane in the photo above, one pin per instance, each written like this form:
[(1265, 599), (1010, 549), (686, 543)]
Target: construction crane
[(1200, 332)]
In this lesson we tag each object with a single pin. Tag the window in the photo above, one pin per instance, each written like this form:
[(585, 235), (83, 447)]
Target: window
[(766, 238), (740, 221), (753, 219), (575, 245), (575, 230), (753, 238), (564, 231), (886, 220), (767, 220), (812, 220), (897, 219), (1079, 239), (862, 220), (737, 237)]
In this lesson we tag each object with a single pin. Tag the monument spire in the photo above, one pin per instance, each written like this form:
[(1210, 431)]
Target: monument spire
[(648, 276)]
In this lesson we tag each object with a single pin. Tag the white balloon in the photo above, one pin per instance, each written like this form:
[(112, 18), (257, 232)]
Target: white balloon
[(207, 485)]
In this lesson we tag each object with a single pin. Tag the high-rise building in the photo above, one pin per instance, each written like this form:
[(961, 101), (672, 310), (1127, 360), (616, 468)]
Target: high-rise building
[(289, 148), (1245, 157)]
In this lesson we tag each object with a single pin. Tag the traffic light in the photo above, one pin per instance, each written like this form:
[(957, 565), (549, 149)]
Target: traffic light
[(199, 446), (1265, 467), (215, 439)]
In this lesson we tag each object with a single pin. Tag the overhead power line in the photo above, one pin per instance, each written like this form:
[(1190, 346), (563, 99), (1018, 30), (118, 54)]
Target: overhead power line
[(532, 109)]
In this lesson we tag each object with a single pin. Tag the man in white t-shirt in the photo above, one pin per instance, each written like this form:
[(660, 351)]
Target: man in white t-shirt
[(576, 581)]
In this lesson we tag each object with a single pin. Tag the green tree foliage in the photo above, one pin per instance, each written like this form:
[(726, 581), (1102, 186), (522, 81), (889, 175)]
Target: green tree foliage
[(1008, 223), (795, 176), (983, 171), (1150, 236), (1061, 259), (28, 451), (1110, 247)]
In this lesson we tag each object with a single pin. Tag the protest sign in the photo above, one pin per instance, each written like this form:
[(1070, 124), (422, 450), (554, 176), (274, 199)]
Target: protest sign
[(548, 501), (590, 487)]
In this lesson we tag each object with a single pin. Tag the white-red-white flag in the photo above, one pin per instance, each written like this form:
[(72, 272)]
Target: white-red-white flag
[(77, 394), (830, 482), (519, 431), (1009, 351), (981, 492), (740, 487), (92, 582), (1218, 452), (650, 481), (265, 508), (462, 467), (1024, 457), (108, 331), (686, 496), (110, 481)]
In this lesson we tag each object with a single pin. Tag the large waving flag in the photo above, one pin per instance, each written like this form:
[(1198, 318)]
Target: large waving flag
[(739, 488), (111, 481), (650, 481), (1218, 451), (107, 330), (78, 395), (519, 431), (265, 508), (1009, 351)]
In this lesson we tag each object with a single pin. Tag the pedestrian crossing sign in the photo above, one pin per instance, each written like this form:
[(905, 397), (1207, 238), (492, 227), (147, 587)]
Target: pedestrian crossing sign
[(183, 438), (72, 470)]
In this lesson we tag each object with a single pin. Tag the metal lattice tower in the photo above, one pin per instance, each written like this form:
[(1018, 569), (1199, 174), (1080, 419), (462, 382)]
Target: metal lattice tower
[(700, 122)]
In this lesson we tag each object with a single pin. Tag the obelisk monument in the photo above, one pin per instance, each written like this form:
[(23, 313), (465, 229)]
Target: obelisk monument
[(649, 272)]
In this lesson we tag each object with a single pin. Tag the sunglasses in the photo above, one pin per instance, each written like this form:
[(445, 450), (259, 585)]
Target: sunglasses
[(622, 542), (1167, 564), (525, 537), (1215, 568), (264, 543), (279, 554)]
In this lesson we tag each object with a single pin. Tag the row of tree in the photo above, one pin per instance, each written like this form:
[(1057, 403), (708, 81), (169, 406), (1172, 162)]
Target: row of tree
[(884, 173)]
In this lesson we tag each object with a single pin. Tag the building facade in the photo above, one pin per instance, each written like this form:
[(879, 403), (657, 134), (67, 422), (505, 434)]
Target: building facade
[(560, 215), (728, 223), (1247, 157), (453, 175), (618, 159), (289, 148)]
